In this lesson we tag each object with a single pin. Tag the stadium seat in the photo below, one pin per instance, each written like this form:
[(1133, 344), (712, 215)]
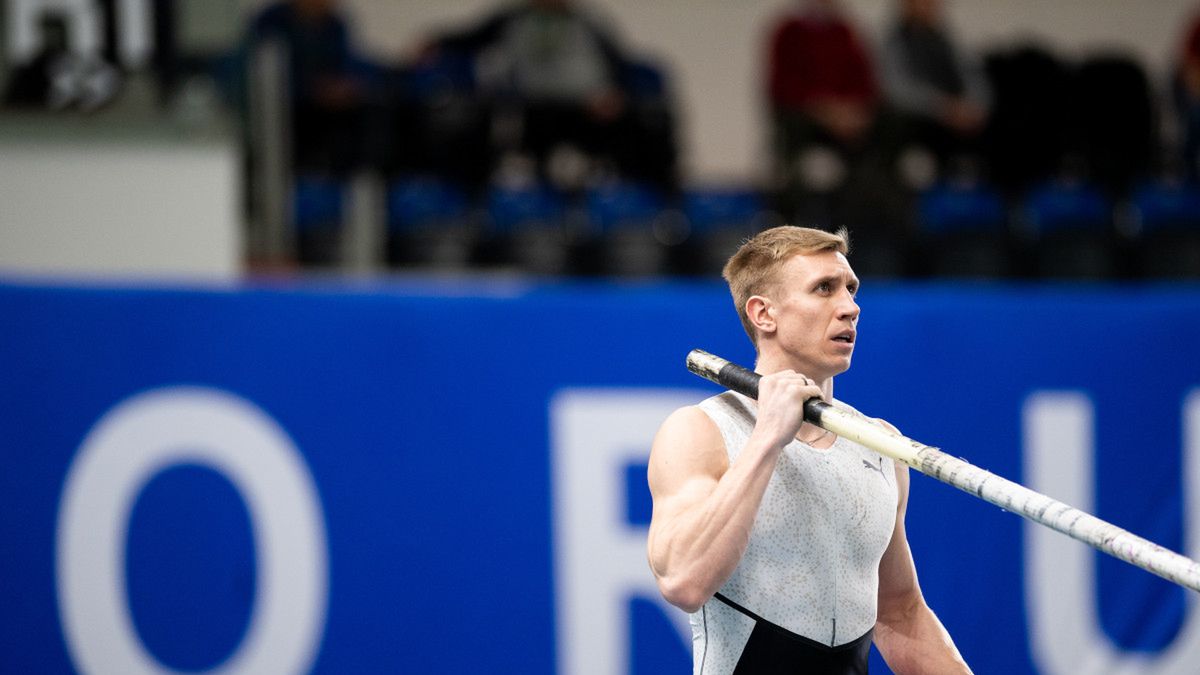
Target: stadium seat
[(719, 220), (318, 206), (963, 231), (429, 223), (1070, 228), (530, 228), (1168, 219), (631, 230)]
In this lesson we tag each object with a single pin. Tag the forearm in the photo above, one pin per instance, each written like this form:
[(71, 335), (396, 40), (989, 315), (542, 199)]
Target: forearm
[(914, 641)]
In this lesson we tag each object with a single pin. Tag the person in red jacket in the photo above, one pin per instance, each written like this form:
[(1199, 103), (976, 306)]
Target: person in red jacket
[(820, 70), (1186, 90), (834, 146)]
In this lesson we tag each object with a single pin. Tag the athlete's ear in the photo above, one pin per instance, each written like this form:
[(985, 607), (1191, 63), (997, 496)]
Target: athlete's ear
[(761, 312)]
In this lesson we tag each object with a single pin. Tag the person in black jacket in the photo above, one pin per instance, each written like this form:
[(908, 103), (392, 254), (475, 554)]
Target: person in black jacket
[(330, 85), (571, 81)]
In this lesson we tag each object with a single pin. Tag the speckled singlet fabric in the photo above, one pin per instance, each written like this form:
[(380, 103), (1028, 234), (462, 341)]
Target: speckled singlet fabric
[(812, 564)]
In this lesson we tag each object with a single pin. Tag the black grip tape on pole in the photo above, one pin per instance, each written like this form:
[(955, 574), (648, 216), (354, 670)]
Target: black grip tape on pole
[(744, 381)]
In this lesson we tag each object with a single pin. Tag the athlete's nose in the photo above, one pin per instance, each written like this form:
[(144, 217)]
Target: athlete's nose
[(848, 309)]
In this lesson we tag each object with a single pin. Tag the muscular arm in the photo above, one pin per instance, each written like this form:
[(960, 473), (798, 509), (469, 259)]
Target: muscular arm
[(704, 506), (907, 632)]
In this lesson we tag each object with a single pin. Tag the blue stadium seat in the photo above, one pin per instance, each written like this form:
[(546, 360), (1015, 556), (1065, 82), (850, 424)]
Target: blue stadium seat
[(719, 220), (1163, 205), (622, 205), (429, 223), (720, 208), (631, 234), (533, 207), (530, 228), (1168, 216), (1058, 206), (963, 231), (318, 206), (1070, 229), (420, 202), (968, 207), (317, 202)]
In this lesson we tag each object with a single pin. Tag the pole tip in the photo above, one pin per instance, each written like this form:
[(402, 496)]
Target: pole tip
[(704, 364)]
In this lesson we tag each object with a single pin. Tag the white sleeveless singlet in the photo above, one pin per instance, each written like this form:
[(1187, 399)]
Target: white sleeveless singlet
[(812, 564)]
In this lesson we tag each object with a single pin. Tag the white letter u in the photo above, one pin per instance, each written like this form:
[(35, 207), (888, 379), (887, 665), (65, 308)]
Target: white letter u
[(1060, 574)]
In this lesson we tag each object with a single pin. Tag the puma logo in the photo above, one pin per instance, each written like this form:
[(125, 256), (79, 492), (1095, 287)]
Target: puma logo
[(877, 468)]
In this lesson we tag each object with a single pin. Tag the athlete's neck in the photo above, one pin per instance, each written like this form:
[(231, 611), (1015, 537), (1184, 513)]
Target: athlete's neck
[(767, 364)]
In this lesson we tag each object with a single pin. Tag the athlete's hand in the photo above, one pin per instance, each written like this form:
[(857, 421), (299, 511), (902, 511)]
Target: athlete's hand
[(781, 398)]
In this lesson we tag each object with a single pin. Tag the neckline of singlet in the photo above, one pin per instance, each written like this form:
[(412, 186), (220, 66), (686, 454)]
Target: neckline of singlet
[(821, 451)]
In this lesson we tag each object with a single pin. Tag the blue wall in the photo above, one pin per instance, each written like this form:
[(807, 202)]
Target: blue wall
[(422, 412)]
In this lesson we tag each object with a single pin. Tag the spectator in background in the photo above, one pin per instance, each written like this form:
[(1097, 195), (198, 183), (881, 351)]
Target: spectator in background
[(927, 78), (329, 84), (833, 145), (821, 74), (570, 78), (1187, 99)]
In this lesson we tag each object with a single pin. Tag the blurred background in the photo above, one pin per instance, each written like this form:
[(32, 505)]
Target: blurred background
[(962, 138), (335, 332)]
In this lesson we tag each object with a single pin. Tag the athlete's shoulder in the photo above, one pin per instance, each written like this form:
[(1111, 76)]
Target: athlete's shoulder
[(877, 421)]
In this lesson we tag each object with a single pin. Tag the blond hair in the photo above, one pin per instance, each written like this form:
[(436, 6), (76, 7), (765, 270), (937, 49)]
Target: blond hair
[(752, 270)]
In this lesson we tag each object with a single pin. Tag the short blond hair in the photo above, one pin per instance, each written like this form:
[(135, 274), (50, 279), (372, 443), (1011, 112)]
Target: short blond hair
[(753, 269)]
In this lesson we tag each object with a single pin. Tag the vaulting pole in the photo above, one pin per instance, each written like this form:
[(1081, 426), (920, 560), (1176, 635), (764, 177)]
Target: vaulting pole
[(987, 486)]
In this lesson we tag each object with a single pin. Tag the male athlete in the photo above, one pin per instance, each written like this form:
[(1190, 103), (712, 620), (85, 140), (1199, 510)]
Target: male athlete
[(784, 542)]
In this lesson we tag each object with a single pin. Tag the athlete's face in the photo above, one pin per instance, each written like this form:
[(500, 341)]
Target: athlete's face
[(815, 312)]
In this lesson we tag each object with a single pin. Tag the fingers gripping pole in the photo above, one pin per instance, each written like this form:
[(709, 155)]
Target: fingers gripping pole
[(967, 477)]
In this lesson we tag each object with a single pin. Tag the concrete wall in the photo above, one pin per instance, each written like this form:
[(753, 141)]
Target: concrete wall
[(101, 208)]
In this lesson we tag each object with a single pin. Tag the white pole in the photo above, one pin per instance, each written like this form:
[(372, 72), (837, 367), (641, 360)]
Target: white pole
[(967, 477)]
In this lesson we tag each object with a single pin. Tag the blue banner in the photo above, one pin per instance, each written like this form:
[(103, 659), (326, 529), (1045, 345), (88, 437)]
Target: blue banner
[(449, 477)]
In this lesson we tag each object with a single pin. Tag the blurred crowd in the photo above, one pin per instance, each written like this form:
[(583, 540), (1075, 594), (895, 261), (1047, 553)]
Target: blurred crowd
[(533, 139)]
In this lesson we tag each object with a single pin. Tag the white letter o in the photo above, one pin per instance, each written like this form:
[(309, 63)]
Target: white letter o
[(130, 445)]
